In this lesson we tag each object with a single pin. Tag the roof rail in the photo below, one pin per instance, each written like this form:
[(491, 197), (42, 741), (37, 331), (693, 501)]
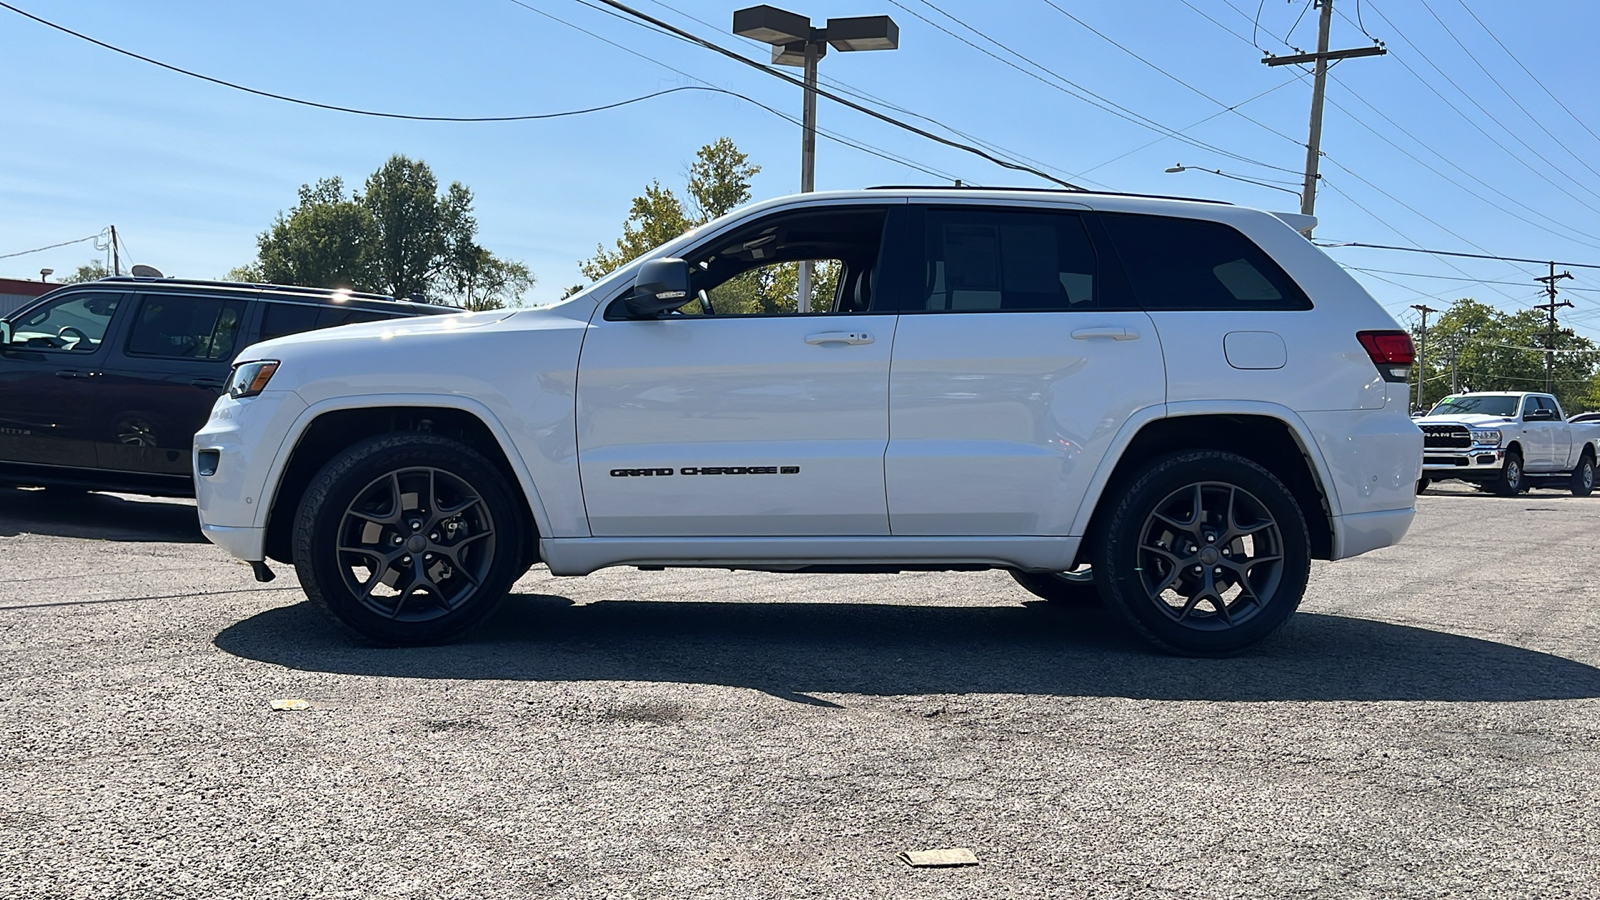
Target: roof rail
[(291, 288), (1037, 190)]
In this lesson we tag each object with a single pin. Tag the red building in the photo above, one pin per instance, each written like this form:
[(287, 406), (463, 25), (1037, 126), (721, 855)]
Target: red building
[(15, 292)]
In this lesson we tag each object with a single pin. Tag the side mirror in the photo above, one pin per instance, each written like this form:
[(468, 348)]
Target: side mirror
[(661, 285), (1539, 415)]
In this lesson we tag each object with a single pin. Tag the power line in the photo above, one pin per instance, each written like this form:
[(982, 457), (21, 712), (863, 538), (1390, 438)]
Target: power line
[(1535, 78), (91, 237), (1517, 259), (1069, 87), (865, 110), (1452, 278)]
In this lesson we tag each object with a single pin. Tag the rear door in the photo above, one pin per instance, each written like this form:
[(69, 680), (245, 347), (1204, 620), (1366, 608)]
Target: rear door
[(159, 389), (1017, 358)]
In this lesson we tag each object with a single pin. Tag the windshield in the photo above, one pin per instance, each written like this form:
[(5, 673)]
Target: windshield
[(1480, 406)]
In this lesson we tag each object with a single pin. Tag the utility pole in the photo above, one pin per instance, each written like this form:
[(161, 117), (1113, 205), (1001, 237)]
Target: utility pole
[(1453, 383), (1308, 194), (1422, 345), (1550, 333), (116, 261)]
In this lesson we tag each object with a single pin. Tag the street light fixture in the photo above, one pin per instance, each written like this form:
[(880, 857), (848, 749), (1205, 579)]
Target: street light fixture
[(1183, 168), (46, 273), (796, 43)]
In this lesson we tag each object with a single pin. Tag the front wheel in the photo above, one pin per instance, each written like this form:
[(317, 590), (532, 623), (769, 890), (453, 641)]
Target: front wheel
[(1583, 476), (1205, 554), (1512, 478), (408, 538)]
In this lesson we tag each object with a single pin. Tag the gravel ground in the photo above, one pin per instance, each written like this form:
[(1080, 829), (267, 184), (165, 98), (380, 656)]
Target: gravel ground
[(1427, 726)]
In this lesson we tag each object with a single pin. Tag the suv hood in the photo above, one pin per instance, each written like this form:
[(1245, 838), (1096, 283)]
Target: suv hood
[(392, 328)]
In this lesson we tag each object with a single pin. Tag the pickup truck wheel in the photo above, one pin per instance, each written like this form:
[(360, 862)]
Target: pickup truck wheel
[(1205, 554), (408, 539), (1583, 476), (1422, 484), (1512, 478), (1053, 587)]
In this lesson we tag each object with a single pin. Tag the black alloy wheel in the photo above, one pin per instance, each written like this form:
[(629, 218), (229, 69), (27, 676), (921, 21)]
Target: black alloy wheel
[(408, 539), (1206, 554)]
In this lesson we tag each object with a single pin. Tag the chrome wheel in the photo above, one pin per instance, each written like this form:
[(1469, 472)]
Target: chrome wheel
[(1210, 556), (416, 544)]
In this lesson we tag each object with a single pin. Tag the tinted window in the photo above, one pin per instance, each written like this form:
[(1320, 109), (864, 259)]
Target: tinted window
[(76, 324), (279, 319), (985, 260), (1194, 264), (186, 327)]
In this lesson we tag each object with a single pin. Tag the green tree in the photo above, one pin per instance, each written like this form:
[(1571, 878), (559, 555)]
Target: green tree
[(402, 236), (719, 180), (1494, 350), (93, 270)]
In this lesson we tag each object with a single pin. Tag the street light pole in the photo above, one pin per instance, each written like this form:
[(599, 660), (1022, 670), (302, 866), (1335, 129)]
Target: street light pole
[(796, 43)]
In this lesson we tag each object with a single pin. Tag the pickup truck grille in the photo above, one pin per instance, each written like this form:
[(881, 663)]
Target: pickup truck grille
[(1446, 436)]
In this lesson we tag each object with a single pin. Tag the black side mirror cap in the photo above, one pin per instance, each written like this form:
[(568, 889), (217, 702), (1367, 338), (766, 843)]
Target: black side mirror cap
[(662, 285)]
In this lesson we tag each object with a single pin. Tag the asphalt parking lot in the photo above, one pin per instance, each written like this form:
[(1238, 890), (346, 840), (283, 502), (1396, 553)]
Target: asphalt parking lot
[(1427, 726)]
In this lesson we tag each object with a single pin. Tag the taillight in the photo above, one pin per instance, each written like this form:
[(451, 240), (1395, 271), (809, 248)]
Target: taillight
[(1391, 352)]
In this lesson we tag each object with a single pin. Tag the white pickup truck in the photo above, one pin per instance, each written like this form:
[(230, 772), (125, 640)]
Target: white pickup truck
[(1188, 397), (1508, 442)]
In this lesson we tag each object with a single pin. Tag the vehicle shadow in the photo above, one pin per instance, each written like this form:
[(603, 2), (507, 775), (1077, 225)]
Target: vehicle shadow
[(794, 650), (106, 517)]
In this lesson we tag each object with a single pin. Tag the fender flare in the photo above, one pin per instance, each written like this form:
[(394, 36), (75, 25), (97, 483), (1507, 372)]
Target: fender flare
[(468, 405), (1139, 420)]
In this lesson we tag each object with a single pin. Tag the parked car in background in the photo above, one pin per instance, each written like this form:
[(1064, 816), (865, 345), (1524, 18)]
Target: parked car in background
[(103, 384), (1190, 397), (1508, 442)]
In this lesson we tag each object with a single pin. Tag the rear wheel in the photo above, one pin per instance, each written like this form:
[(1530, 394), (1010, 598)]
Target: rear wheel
[(1057, 588), (1205, 554), (408, 538), (1583, 476), (1512, 480)]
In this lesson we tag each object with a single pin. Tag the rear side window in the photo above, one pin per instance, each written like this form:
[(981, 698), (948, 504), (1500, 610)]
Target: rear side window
[(279, 319), (1192, 264), (185, 327), (981, 260)]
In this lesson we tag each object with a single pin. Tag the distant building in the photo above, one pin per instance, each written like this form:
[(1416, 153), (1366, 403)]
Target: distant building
[(14, 293)]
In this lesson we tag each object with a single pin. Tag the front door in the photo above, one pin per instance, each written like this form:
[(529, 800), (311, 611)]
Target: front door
[(739, 415), (1015, 365), (51, 375)]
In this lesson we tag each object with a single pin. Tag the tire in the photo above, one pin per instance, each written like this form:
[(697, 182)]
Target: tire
[(1203, 509), (442, 571), (1422, 484), (1052, 587), (1583, 476), (1513, 479)]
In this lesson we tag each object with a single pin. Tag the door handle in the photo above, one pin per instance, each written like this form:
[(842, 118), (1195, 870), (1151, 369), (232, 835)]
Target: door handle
[(206, 383), (73, 373), (839, 337), (1114, 332)]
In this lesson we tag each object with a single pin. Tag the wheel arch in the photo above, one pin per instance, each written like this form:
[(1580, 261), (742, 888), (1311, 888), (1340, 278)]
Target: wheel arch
[(1270, 435), (326, 429)]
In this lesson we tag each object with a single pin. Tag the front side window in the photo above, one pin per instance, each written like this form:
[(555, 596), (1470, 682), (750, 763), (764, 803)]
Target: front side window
[(279, 319), (977, 260), (185, 327), (1193, 264), (755, 270), (74, 324)]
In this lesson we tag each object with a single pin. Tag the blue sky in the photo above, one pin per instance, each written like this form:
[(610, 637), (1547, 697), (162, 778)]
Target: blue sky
[(190, 172)]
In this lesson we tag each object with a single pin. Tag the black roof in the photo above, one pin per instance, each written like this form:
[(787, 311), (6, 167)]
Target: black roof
[(1037, 190)]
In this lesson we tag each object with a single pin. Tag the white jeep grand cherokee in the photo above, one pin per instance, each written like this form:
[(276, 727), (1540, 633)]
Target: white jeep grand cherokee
[(1172, 406)]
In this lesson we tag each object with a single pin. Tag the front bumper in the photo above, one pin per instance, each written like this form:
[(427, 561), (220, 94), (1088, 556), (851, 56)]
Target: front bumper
[(1478, 460), (238, 447)]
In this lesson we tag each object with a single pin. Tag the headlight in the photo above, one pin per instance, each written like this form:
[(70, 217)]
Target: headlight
[(1486, 437), (249, 379)]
